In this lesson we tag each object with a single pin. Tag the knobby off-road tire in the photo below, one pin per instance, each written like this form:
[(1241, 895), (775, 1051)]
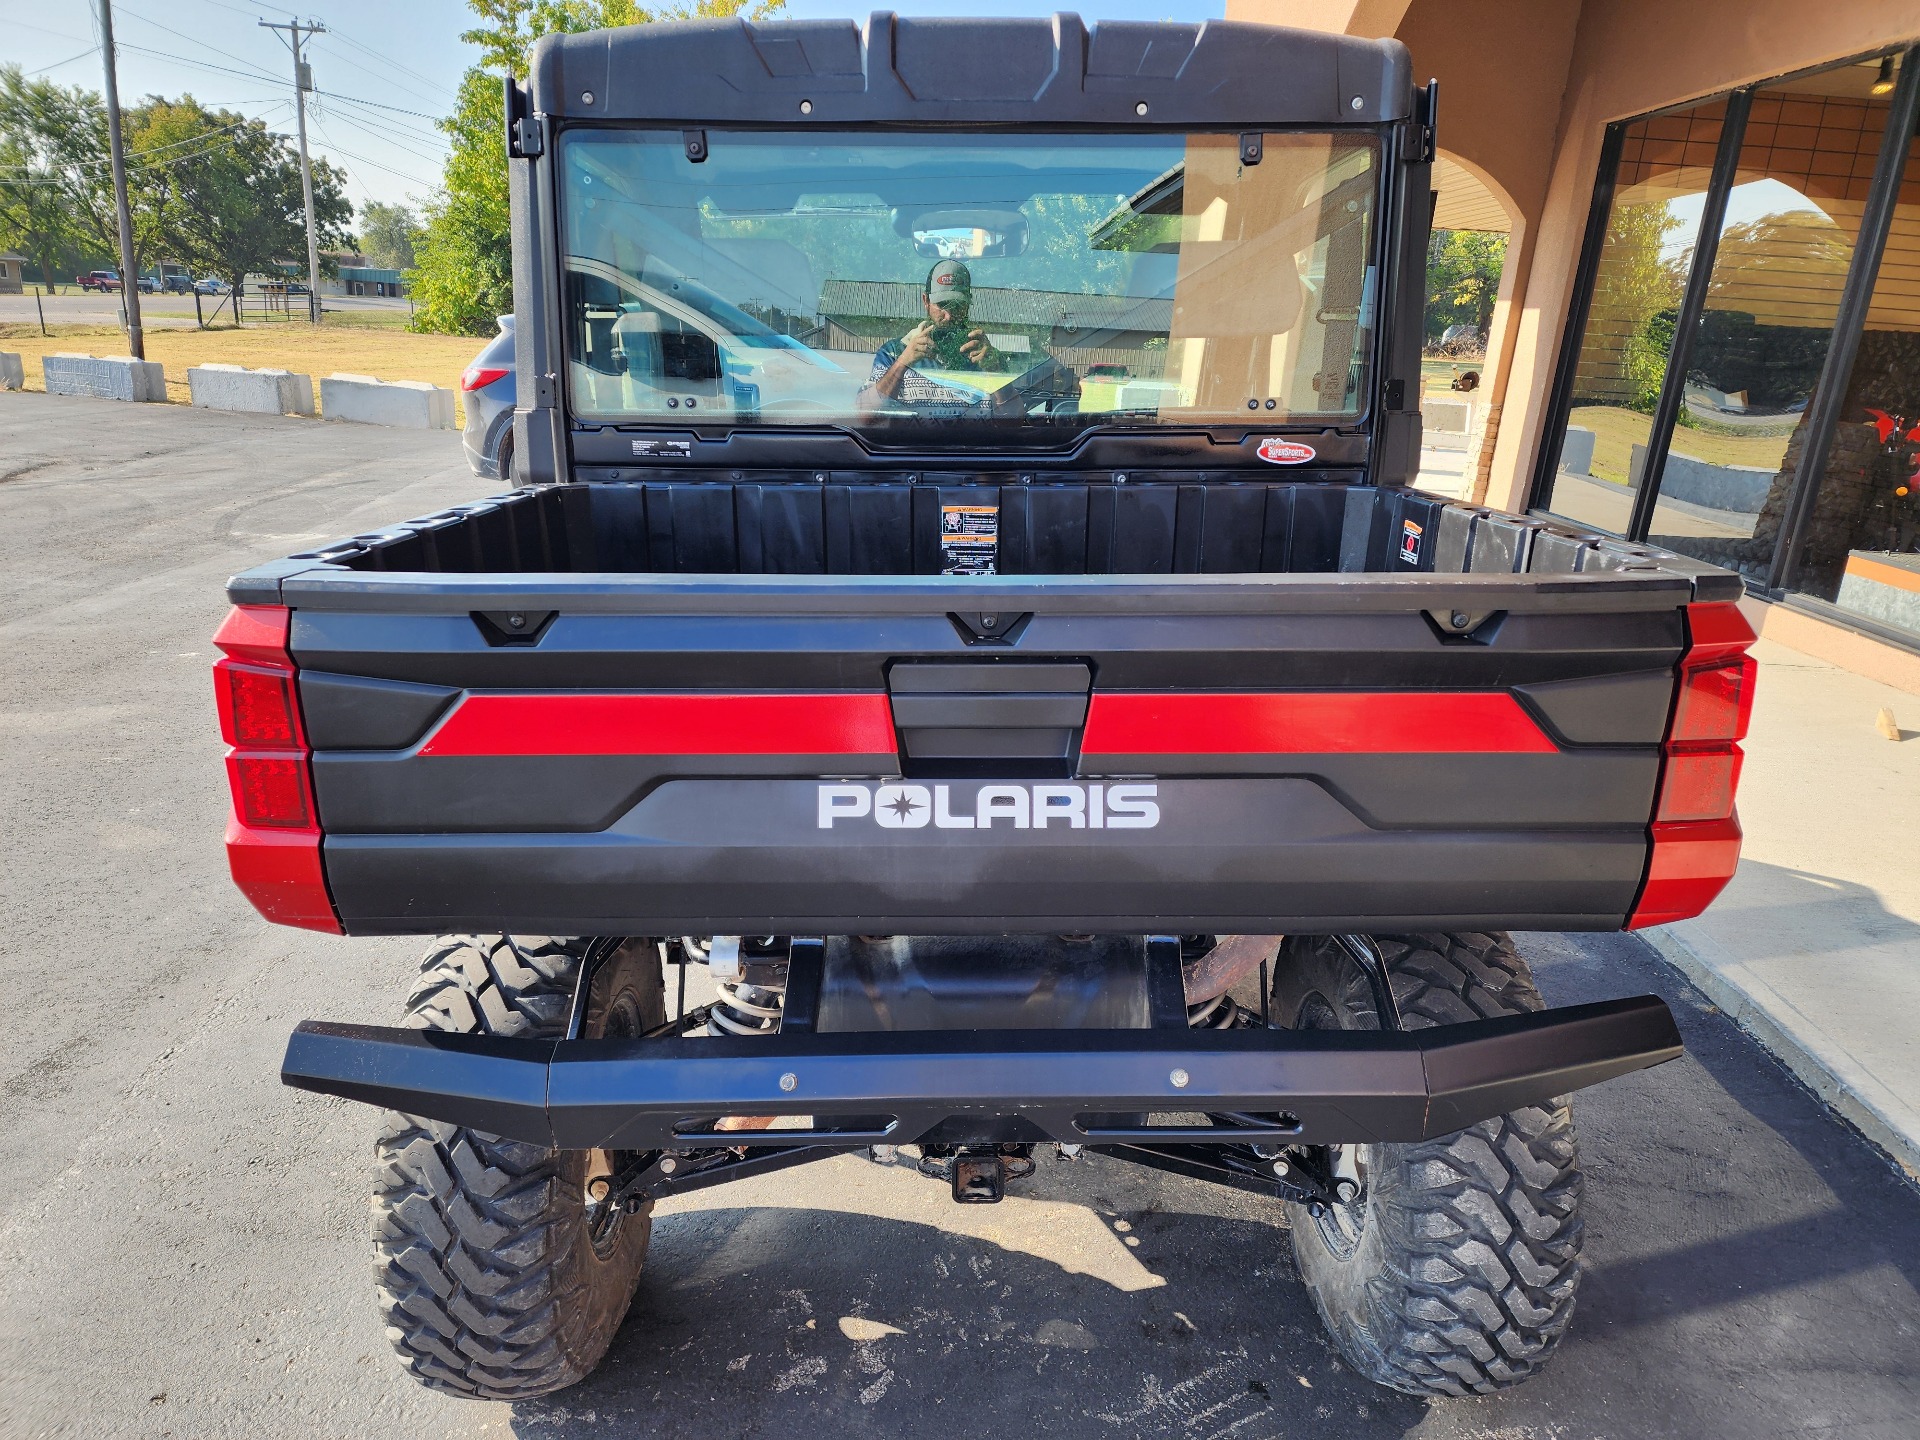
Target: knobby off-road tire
[(493, 1277), (1454, 1273)]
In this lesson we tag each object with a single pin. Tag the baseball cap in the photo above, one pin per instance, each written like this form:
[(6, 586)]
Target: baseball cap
[(949, 281)]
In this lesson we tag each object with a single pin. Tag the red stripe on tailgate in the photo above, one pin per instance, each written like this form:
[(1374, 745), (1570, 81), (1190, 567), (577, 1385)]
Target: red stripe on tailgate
[(836, 724), (1310, 723)]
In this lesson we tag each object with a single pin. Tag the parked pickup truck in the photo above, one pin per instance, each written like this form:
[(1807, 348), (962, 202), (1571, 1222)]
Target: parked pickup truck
[(1029, 767), (101, 280)]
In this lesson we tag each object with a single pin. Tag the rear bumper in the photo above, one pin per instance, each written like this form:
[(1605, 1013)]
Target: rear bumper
[(1072, 1086)]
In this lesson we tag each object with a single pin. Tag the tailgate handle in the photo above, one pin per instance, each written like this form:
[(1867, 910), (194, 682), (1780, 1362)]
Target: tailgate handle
[(989, 712)]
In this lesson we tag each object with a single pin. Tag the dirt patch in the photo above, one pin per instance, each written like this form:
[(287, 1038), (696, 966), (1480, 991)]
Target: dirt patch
[(387, 354)]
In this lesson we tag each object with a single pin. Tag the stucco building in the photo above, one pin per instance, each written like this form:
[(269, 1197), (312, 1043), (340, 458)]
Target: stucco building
[(1708, 330)]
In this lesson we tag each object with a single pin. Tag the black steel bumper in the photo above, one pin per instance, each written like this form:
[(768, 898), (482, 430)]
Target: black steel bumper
[(1075, 1086)]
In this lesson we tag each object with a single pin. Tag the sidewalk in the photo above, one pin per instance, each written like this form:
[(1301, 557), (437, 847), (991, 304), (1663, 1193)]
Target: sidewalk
[(1815, 946)]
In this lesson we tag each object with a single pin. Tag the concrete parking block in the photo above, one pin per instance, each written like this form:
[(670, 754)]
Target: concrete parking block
[(13, 374), (410, 404), (254, 392), (111, 377)]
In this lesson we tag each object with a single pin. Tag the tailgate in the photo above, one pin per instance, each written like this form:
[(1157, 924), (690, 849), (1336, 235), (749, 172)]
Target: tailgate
[(847, 754)]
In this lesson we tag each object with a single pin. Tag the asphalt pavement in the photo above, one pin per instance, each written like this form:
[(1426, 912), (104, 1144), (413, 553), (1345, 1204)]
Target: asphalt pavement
[(183, 1246)]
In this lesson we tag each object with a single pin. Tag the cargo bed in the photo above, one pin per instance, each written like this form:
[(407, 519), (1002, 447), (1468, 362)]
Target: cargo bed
[(1183, 703)]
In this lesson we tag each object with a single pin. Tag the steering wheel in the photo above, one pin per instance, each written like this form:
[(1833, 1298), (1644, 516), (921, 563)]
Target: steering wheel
[(1049, 380)]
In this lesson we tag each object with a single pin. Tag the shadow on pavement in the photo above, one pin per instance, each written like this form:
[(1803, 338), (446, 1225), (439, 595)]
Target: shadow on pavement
[(1752, 1273)]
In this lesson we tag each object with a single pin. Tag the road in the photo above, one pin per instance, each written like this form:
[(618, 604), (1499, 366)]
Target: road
[(157, 312), (183, 1246)]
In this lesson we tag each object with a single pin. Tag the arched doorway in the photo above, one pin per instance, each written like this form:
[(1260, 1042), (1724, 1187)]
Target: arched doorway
[(1463, 363)]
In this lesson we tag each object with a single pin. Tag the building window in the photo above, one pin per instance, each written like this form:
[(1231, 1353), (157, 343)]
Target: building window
[(1860, 543), (1719, 255), (1659, 181)]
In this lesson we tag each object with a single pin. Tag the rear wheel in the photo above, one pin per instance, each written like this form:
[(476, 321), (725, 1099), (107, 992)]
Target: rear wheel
[(1452, 1271), (497, 1277)]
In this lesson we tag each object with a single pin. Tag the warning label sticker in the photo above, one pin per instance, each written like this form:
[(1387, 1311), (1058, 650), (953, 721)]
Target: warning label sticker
[(1409, 543), (657, 449), (969, 539)]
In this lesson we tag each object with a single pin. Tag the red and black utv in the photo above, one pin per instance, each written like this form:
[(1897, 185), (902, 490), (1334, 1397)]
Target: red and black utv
[(965, 597)]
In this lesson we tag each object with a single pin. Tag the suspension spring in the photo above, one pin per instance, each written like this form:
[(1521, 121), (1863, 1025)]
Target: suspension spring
[(1222, 1012), (740, 1007), (743, 1009)]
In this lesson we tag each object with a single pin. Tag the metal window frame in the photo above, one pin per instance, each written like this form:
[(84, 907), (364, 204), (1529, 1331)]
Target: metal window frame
[(1693, 302), (1579, 307), (1849, 318), (1849, 323)]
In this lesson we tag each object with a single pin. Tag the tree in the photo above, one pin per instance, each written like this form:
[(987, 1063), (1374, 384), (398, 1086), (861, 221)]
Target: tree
[(386, 235), (463, 255), (56, 188), (1463, 279), (211, 188), (225, 190), (1636, 290)]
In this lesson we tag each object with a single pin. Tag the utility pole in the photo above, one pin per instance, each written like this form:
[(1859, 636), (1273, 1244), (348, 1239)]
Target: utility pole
[(302, 83), (129, 277)]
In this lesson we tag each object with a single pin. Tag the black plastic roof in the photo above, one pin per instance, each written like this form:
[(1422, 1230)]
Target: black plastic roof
[(896, 70)]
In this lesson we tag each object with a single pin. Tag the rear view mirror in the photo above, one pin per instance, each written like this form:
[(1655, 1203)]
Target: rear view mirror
[(969, 234)]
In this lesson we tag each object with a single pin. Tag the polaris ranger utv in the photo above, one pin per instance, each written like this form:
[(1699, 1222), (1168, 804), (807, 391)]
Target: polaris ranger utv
[(964, 595)]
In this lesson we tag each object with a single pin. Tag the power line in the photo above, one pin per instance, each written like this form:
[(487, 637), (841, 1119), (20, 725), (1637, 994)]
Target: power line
[(144, 157), (262, 75), (407, 140), (200, 64), (394, 65), (58, 63), (377, 105), (411, 179), (190, 39), (138, 164), (57, 34)]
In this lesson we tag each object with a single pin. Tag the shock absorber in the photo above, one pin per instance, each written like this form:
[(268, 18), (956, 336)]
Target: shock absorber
[(743, 1005)]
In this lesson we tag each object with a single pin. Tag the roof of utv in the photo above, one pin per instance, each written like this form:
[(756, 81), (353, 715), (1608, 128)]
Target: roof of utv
[(896, 70)]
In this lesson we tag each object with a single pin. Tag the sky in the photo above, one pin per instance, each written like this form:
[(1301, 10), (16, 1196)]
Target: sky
[(385, 69)]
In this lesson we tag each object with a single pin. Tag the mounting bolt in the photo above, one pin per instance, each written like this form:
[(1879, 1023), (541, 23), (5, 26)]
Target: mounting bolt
[(1280, 1167), (516, 621), (1346, 1191), (586, 97), (1179, 1079), (669, 1165), (989, 622), (1459, 619), (1357, 103), (599, 1186), (789, 1080)]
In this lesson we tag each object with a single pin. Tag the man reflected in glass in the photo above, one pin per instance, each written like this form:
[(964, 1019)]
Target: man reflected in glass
[(942, 341)]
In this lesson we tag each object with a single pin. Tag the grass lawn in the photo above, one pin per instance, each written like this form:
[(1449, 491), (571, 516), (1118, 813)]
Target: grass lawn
[(1616, 432), (382, 350)]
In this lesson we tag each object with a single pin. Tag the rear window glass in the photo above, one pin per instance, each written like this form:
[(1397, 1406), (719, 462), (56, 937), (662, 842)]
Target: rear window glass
[(1026, 281)]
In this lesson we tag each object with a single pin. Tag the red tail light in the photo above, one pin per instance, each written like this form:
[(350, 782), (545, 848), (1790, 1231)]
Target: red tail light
[(1695, 833), (475, 376), (273, 839)]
